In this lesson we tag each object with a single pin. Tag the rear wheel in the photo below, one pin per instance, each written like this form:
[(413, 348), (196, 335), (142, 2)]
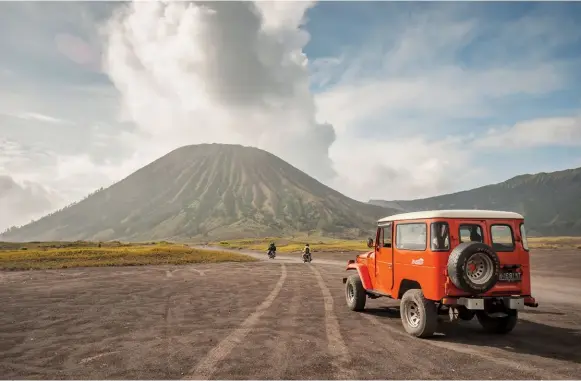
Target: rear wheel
[(498, 324), (465, 314), (355, 293), (419, 315)]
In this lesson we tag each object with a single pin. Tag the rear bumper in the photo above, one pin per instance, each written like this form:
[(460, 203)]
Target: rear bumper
[(512, 302)]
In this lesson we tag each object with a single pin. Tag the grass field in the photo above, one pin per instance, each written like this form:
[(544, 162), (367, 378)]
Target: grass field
[(294, 245), (58, 255), (555, 242)]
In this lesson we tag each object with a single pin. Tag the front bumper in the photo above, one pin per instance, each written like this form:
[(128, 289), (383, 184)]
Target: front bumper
[(512, 302)]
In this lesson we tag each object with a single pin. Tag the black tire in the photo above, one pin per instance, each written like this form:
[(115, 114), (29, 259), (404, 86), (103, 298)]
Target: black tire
[(459, 274), (425, 322), (355, 293), (465, 314), (498, 325)]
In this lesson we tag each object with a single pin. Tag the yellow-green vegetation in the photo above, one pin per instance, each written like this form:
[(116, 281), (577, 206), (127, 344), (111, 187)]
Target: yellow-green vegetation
[(319, 244), (295, 245), (554, 242), (59, 255)]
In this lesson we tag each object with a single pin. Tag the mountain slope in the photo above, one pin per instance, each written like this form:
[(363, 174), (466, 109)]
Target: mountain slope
[(550, 202), (209, 190)]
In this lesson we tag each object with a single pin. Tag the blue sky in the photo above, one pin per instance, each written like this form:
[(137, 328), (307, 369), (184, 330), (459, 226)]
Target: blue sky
[(493, 39), (397, 101)]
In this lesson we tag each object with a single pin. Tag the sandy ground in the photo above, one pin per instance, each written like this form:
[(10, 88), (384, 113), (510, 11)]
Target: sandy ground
[(277, 319)]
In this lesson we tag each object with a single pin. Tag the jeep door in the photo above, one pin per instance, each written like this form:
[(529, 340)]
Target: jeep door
[(384, 259), (505, 237)]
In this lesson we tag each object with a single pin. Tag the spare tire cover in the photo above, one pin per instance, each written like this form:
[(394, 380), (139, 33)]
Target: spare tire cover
[(473, 267)]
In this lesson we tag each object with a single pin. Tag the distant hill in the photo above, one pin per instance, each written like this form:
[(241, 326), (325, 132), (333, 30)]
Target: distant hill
[(211, 191), (550, 202)]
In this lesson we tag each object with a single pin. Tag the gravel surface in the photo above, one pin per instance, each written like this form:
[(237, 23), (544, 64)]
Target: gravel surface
[(277, 319)]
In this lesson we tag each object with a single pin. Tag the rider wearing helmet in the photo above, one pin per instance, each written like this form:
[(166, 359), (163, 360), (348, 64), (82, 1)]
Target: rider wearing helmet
[(272, 247), (306, 250)]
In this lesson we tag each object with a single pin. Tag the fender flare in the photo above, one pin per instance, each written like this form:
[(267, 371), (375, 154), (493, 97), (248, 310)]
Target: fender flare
[(363, 274)]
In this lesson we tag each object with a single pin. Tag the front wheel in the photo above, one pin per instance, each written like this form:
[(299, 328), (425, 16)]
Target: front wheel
[(419, 315), (355, 293), (498, 325)]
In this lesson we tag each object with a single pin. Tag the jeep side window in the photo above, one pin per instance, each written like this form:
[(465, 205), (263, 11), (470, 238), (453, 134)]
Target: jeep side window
[(470, 233), (387, 236), (380, 238), (523, 234), (411, 236), (502, 238), (440, 236)]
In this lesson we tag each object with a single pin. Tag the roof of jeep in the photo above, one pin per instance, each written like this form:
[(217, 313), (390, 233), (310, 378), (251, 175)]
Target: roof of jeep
[(468, 213)]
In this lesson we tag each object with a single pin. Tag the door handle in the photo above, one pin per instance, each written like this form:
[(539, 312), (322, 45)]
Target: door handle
[(389, 265)]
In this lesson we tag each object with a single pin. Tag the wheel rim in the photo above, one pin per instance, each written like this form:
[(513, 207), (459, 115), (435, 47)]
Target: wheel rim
[(412, 314), (479, 268), (350, 293)]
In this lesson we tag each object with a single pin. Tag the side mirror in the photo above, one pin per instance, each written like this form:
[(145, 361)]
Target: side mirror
[(369, 242)]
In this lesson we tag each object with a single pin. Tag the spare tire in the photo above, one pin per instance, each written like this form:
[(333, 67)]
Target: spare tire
[(473, 267)]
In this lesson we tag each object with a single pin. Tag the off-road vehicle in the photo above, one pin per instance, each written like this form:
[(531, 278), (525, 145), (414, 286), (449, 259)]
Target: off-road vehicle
[(463, 263)]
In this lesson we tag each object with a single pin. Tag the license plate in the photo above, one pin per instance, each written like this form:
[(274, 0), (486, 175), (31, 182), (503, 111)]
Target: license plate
[(509, 277)]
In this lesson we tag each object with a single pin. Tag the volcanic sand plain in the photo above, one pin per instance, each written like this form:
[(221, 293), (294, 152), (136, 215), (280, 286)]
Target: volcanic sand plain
[(273, 319)]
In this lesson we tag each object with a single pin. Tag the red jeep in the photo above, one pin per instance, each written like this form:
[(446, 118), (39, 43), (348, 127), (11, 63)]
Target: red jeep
[(464, 263)]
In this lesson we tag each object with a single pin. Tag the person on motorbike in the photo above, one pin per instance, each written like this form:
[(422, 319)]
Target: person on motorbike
[(306, 250), (272, 248)]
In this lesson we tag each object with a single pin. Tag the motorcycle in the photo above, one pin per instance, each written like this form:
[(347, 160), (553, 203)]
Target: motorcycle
[(307, 258), (271, 254)]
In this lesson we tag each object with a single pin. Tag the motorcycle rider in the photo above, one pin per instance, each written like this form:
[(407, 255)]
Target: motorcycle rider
[(306, 250), (272, 248)]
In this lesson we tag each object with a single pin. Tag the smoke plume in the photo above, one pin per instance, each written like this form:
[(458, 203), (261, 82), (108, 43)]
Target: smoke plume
[(225, 72)]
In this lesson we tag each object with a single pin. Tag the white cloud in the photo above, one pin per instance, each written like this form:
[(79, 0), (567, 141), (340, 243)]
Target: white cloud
[(36, 181), (39, 117), (402, 168), (558, 131), (230, 73), (20, 202)]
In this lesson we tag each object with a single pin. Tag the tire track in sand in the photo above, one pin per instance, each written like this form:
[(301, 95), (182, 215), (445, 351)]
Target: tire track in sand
[(207, 365), (519, 366), (337, 348), (168, 318), (390, 346), (280, 357)]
